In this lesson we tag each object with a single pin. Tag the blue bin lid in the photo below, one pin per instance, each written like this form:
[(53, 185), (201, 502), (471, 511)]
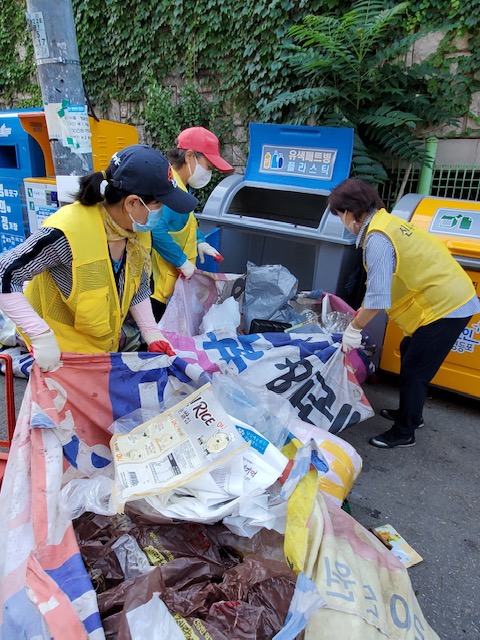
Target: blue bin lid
[(306, 158)]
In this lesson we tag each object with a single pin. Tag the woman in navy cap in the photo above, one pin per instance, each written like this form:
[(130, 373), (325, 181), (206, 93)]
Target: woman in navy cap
[(177, 240), (89, 264)]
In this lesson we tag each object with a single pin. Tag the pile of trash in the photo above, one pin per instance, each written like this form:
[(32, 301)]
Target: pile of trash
[(199, 496), (70, 574), (210, 579)]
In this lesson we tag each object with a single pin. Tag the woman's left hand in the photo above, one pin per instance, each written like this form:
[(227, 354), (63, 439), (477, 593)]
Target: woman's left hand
[(205, 249), (161, 346)]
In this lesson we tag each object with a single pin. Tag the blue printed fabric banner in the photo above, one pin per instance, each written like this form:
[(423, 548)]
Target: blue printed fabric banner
[(310, 371)]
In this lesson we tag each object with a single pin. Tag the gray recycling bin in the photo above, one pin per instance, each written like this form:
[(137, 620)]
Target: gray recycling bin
[(276, 212)]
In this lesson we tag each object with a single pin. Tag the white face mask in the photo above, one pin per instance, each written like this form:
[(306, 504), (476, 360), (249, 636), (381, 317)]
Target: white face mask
[(351, 227), (200, 177)]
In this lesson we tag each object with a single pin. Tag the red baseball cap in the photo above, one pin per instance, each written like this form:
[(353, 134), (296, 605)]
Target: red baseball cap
[(205, 142)]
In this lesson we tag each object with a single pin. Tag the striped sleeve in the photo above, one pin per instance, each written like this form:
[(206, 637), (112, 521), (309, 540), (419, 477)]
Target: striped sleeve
[(470, 308), (143, 291), (381, 263), (47, 248)]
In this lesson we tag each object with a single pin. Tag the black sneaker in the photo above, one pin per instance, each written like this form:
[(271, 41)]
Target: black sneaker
[(391, 439), (394, 414)]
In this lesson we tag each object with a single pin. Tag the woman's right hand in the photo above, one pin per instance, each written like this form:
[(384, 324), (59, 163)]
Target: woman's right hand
[(352, 338), (46, 351), (187, 269)]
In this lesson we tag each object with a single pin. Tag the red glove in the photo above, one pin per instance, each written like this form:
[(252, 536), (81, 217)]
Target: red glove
[(161, 346)]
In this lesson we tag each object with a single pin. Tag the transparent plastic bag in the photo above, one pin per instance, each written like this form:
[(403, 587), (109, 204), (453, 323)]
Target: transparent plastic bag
[(126, 423), (87, 494), (268, 288), (224, 316), (131, 558), (268, 412), (334, 321)]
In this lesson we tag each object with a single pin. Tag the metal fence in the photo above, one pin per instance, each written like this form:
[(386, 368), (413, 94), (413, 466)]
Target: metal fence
[(399, 175), (459, 181)]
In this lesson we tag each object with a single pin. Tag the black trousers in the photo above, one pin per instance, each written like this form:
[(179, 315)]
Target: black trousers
[(421, 356)]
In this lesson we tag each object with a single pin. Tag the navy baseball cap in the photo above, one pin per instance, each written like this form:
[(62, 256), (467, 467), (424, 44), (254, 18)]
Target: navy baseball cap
[(142, 170)]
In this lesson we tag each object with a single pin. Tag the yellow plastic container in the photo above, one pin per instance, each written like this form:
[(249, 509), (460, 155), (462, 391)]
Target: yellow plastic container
[(457, 224), (107, 137), (41, 194)]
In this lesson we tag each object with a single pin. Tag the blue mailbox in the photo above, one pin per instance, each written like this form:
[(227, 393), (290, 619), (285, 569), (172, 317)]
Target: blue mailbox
[(276, 213), (20, 157)]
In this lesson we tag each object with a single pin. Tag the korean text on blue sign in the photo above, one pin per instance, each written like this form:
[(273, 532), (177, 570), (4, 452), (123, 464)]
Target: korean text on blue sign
[(298, 161)]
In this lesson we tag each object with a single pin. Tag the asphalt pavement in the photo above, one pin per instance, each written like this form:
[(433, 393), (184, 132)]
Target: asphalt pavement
[(429, 493)]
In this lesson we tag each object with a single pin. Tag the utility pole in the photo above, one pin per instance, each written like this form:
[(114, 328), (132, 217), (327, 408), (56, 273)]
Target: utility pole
[(60, 79)]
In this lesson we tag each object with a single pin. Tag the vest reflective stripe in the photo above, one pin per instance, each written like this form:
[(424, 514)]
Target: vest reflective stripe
[(165, 274), (90, 319), (428, 283)]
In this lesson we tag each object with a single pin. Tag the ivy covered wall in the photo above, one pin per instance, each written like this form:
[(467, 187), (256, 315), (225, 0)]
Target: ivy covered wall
[(229, 57)]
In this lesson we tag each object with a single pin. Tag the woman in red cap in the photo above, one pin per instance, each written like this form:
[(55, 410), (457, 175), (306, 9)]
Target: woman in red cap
[(177, 240)]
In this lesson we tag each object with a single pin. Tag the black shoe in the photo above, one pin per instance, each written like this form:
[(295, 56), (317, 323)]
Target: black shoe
[(394, 414), (391, 439)]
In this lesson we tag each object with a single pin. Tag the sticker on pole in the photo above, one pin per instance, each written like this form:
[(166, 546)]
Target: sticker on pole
[(40, 42), (69, 123)]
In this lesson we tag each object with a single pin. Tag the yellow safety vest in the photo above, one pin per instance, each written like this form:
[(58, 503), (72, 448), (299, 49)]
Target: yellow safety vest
[(90, 319), (428, 283), (165, 274)]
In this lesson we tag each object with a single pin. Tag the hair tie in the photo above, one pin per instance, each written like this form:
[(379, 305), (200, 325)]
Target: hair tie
[(103, 186)]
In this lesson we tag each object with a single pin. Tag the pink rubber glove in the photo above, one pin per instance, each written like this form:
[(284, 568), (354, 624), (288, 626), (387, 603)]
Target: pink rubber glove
[(143, 315)]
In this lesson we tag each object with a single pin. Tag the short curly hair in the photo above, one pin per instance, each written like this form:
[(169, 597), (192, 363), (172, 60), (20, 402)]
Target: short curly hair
[(354, 195)]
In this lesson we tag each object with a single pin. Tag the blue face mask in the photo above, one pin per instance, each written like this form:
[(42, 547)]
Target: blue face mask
[(153, 219)]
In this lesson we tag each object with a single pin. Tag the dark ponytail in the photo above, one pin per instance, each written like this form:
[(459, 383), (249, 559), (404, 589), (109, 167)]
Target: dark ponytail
[(90, 194)]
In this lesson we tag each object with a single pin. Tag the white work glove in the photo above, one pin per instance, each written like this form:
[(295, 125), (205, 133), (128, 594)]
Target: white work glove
[(45, 350), (205, 249), (352, 338), (187, 269)]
